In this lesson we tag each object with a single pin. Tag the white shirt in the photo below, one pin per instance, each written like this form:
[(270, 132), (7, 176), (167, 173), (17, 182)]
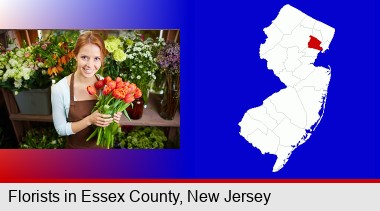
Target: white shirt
[(60, 101)]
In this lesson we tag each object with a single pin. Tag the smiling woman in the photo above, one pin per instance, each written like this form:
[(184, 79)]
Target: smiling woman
[(71, 103)]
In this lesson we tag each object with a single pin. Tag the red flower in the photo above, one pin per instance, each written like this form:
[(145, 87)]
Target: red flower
[(120, 84), (138, 93), (99, 84), (111, 84), (115, 97), (91, 90), (129, 98), (132, 88), (107, 90), (107, 79), (118, 79)]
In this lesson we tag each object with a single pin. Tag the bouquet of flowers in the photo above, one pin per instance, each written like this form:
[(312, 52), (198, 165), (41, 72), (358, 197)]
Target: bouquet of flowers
[(19, 70), (55, 54), (115, 96), (140, 63)]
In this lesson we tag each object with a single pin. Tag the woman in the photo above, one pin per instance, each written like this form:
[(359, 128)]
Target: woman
[(71, 103)]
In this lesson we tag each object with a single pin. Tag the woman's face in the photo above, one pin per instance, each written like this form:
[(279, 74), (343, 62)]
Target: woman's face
[(89, 60)]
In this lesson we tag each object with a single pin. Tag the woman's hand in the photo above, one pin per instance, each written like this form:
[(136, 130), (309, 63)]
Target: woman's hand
[(116, 117), (101, 120)]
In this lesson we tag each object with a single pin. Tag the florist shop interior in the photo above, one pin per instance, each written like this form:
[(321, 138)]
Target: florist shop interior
[(145, 64)]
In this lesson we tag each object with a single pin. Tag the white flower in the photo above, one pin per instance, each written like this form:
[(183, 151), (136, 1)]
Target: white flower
[(25, 73), (138, 77), (18, 83), (13, 62), (20, 53)]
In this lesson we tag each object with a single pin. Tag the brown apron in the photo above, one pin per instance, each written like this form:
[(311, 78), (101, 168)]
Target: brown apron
[(79, 110)]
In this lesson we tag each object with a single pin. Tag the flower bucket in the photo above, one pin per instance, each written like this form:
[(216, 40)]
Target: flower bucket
[(34, 101)]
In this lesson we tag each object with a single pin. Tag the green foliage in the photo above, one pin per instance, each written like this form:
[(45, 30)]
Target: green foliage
[(42, 138), (143, 138), (55, 53)]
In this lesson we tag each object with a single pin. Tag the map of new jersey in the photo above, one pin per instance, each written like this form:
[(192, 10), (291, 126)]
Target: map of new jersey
[(287, 119)]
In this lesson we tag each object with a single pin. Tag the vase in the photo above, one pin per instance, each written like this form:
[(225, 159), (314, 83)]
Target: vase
[(170, 101), (135, 111), (34, 101), (144, 87)]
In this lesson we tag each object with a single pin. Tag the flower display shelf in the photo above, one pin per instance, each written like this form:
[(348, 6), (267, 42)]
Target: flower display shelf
[(20, 122), (151, 117)]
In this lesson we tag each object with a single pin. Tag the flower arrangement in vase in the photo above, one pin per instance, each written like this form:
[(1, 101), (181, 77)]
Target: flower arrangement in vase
[(168, 60)]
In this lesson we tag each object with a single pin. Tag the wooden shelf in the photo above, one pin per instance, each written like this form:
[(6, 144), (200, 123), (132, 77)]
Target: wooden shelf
[(30, 117), (151, 117)]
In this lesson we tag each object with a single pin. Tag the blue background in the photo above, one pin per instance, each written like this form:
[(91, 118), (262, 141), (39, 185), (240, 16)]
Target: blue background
[(230, 78), (222, 77)]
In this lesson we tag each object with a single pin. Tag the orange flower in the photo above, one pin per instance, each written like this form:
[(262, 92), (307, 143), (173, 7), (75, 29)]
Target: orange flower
[(120, 84), (107, 79), (129, 98), (63, 60), (111, 84), (52, 70), (119, 93), (118, 79), (59, 68), (71, 54), (138, 93), (107, 90), (132, 88), (91, 90)]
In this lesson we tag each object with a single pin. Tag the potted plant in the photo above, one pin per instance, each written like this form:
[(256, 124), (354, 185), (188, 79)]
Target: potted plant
[(42, 138), (30, 71), (142, 138)]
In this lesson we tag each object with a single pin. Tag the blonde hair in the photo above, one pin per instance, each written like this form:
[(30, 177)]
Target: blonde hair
[(92, 38)]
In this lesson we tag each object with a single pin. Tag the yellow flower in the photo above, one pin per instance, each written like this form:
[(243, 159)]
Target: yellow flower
[(119, 55)]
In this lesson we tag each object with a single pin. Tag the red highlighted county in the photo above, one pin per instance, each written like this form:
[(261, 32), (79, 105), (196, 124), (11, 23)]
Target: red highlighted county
[(314, 43)]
